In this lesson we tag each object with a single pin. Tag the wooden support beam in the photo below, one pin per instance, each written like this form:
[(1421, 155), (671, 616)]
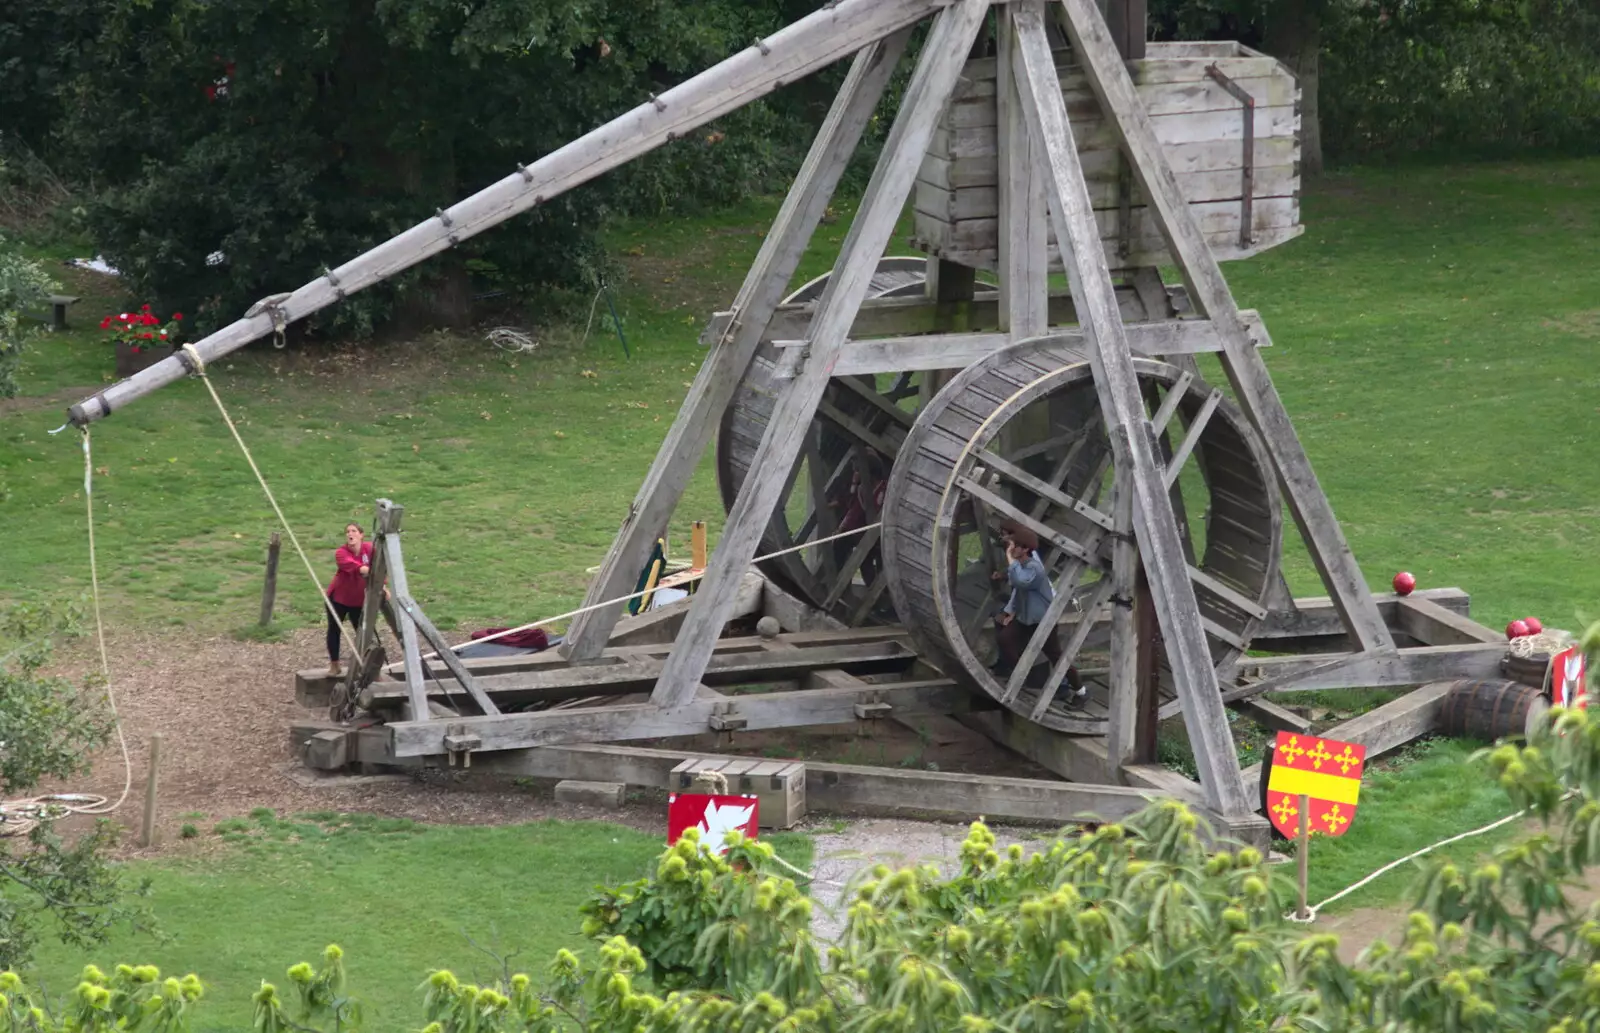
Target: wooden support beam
[(617, 675), (1416, 666), (1095, 298), (1109, 79), (416, 673), (447, 656), (1123, 679), (1387, 727), (386, 520), (648, 721), (1270, 716), (849, 788), (1432, 624), (941, 351), (714, 386), (827, 35), (931, 86), (894, 318), (1024, 256)]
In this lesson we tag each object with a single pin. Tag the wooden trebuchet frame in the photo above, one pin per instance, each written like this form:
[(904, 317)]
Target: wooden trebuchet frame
[(1081, 415)]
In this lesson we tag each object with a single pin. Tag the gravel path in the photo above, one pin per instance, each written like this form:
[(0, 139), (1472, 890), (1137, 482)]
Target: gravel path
[(861, 844)]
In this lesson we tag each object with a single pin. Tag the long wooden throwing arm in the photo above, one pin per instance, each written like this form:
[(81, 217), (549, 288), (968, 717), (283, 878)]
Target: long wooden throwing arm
[(835, 31)]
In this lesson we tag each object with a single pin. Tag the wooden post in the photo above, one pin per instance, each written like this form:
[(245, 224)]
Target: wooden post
[(147, 823), (1148, 675), (697, 545), (1305, 853), (269, 590)]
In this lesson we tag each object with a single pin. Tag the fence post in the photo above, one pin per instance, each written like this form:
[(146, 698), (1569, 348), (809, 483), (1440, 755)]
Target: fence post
[(269, 591), (147, 826)]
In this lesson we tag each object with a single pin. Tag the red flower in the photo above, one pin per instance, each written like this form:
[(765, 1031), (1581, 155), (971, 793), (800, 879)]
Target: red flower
[(177, 317), (135, 349), (147, 336), (105, 324), (145, 308)]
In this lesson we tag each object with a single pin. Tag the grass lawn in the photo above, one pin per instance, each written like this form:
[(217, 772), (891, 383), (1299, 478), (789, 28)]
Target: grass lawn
[(399, 897), (1435, 334), (1411, 799)]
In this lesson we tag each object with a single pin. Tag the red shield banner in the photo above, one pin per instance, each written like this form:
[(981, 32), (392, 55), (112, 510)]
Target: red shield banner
[(1325, 771), (714, 816), (1568, 680)]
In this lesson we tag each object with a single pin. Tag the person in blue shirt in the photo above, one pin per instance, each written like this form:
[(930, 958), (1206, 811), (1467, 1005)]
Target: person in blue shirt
[(1031, 593)]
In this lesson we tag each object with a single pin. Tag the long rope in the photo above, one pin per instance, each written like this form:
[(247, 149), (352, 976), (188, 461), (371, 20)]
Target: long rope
[(673, 582), (316, 582), (1391, 866), (19, 817)]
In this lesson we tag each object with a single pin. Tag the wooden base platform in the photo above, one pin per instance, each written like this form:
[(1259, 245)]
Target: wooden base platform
[(593, 721)]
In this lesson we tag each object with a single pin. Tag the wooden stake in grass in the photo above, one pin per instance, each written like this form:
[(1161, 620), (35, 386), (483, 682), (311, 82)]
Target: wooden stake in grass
[(1304, 852), (147, 827), (269, 591)]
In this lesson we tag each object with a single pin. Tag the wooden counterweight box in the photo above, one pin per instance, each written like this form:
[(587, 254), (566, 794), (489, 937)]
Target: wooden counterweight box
[(1193, 94)]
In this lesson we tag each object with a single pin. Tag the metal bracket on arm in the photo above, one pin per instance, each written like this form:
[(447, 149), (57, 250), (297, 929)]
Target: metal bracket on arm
[(1246, 237)]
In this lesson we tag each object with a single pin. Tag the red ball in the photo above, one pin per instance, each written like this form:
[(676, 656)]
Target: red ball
[(1517, 629), (1404, 583), (1535, 625)]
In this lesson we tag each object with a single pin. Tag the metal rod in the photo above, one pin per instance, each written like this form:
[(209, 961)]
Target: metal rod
[(1247, 171)]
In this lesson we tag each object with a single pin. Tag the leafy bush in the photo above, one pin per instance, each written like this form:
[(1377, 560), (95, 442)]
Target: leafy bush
[(1126, 928), (48, 729), (24, 288), (1444, 75)]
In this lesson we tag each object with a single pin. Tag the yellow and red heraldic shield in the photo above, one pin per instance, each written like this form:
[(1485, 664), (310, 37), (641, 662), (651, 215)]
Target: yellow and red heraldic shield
[(1327, 772)]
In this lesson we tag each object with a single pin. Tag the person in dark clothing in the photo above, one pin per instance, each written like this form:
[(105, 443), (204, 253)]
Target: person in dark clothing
[(347, 593), (1031, 594), (861, 504)]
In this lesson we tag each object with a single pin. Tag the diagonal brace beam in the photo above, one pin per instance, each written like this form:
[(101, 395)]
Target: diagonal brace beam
[(943, 56), (1132, 435)]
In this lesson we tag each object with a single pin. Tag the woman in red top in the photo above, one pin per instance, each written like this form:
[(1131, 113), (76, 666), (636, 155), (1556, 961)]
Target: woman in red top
[(348, 591)]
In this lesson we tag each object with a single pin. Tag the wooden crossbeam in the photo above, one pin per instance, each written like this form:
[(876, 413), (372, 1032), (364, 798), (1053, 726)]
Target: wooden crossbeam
[(1197, 427), (1386, 727), (619, 674), (647, 721), (714, 386), (1132, 438), (938, 68), (1045, 491)]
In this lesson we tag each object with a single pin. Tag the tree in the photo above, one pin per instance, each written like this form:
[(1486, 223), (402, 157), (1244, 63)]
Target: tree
[(273, 138), (1136, 927), (48, 728), (24, 287)]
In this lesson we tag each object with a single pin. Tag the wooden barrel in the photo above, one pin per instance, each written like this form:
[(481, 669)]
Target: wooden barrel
[(1490, 709), (1529, 670)]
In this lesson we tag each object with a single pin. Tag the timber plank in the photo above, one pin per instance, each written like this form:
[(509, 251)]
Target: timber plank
[(648, 721)]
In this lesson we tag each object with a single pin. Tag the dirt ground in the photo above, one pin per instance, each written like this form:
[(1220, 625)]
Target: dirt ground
[(224, 707)]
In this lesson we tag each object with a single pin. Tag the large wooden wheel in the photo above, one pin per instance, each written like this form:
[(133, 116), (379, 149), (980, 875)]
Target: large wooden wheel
[(1019, 438), (854, 439)]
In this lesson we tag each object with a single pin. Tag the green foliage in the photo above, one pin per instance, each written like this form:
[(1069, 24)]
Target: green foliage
[(24, 288), (48, 727), (1491, 76), (339, 125), (684, 919), (1134, 927)]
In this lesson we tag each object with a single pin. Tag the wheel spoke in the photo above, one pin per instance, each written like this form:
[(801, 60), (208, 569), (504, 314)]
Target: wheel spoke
[(1069, 652)]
